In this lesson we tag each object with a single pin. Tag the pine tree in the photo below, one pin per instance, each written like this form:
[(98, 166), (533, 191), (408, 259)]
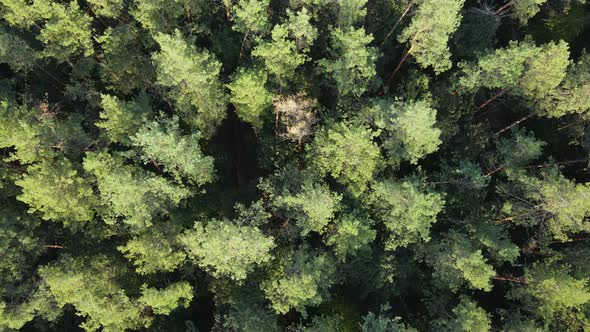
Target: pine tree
[(250, 96), (428, 34), (162, 142), (59, 191), (353, 66), (192, 78), (348, 154), (225, 249)]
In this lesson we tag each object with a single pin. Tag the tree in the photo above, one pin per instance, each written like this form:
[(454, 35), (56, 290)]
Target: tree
[(67, 31), (161, 141), (468, 317), (350, 236), (122, 119), (573, 95), (250, 96), (89, 284), (302, 279), (36, 134), (16, 52), (155, 250), (407, 129), (163, 16), (428, 34), (312, 206), (280, 55), (456, 261), (129, 192), (551, 293), (382, 323), (348, 154), (557, 205), (109, 8), (354, 64), (407, 211), (522, 10), (351, 12), (301, 29), (192, 77), (163, 301), (124, 66), (225, 249), (59, 191), (522, 68), (250, 16)]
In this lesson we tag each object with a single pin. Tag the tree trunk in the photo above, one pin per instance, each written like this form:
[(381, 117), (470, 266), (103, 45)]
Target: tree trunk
[(399, 66), (515, 123), (398, 22)]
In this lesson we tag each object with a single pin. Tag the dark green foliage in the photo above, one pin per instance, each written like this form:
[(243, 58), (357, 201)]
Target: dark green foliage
[(294, 166)]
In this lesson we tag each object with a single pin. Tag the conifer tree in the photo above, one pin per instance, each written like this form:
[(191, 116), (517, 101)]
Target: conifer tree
[(192, 79)]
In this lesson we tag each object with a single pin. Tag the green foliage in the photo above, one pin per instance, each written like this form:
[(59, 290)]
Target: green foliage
[(553, 202), (124, 66), (192, 77), (163, 301), (163, 15), (249, 96), (59, 192), (280, 55), (348, 154), (89, 284), (351, 236), (321, 194), (302, 279), (522, 68), (429, 32), (67, 32), (155, 250), (121, 119), (312, 206), (518, 150), (407, 129), (225, 249), (456, 260), (553, 294), (382, 323), (36, 134), (301, 29), (250, 317), (407, 211), (129, 192), (468, 317), (353, 66), (525, 9), (573, 95), (108, 8), (251, 16), (351, 12), (162, 142), (16, 52)]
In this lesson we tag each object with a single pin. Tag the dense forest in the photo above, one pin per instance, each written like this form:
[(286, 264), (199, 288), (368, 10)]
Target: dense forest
[(298, 166)]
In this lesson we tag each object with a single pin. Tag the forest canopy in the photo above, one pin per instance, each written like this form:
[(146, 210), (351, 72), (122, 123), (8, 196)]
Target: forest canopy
[(295, 165)]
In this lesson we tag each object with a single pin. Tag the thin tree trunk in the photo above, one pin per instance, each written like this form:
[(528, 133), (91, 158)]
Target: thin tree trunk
[(503, 91), (519, 280), (242, 47), (54, 246), (515, 123), (399, 66), (503, 221), (510, 3), (398, 22)]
